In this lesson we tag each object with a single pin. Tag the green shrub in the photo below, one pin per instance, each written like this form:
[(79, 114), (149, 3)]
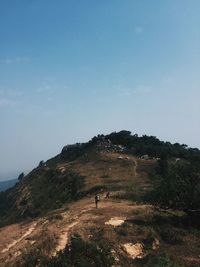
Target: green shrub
[(81, 253), (160, 261), (170, 236)]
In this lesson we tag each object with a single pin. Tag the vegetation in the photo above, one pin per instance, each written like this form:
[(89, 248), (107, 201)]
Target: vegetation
[(179, 186), (21, 176), (42, 190), (79, 253), (177, 176), (153, 146), (161, 261), (177, 183), (37, 254)]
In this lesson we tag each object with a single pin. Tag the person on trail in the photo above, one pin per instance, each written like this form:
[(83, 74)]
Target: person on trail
[(108, 195), (97, 199)]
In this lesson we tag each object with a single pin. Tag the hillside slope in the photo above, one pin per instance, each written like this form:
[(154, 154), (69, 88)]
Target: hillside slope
[(52, 212), (135, 231)]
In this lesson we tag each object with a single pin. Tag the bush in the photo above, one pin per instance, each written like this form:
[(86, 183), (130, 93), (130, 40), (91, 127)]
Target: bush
[(179, 187), (161, 261), (170, 236), (81, 253)]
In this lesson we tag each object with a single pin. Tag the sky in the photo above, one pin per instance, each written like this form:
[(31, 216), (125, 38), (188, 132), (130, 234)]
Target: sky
[(72, 69)]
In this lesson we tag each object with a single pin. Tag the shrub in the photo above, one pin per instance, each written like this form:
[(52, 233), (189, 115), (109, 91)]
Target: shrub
[(170, 236), (81, 253), (160, 261)]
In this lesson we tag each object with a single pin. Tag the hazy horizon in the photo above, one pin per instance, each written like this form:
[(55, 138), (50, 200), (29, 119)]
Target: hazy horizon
[(75, 69)]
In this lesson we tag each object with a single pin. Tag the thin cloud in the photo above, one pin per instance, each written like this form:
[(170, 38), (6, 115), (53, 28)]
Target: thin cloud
[(15, 93), (11, 93), (124, 92), (10, 98), (9, 61), (142, 89), (44, 89), (7, 102), (139, 29), (139, 90)]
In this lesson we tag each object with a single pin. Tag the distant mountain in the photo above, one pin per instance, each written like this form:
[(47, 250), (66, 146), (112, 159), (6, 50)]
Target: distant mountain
[(7, 184)]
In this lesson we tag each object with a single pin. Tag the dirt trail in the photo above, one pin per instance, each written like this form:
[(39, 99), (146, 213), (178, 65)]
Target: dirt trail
[(27, 233), (63, 239), (79, 218), (135, 168), (84, 212), (72, 218)]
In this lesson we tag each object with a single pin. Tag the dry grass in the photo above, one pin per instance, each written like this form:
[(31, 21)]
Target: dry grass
[(143, 223)]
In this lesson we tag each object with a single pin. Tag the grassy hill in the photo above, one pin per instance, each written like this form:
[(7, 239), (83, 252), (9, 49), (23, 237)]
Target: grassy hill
[(54, 203)]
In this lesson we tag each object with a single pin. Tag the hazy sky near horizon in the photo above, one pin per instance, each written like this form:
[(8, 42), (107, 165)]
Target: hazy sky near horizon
[(70, 70)]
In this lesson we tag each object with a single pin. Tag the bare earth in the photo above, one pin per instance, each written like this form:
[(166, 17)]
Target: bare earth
[(118, 218), (81, 216)]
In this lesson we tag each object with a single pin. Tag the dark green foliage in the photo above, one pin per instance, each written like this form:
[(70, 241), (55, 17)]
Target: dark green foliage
[(32, 259), (169, 235), (180, 187), (123, 138), (44, 190), (79, 253), (152, 146), (162, 168), (71, 152), (37, 255), (21, 176), (41, 163), (160, 261)]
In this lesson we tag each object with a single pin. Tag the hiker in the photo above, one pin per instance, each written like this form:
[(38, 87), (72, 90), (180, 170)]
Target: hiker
[(97, 199), (108, 195)]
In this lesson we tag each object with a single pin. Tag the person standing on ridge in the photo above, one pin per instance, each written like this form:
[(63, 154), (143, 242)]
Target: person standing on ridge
[(108, 195), (97, 199)]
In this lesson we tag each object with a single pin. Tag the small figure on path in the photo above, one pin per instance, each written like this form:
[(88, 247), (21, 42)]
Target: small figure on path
[(108, 195), (97, 199)]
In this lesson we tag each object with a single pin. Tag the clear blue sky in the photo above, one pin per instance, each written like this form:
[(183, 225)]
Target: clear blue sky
[(71, 69)]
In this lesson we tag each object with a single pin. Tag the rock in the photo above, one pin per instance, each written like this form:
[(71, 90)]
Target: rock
[(135, 251), (116, 221)]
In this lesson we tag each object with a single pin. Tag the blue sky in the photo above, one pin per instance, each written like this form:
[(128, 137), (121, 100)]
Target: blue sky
[(72, 69)]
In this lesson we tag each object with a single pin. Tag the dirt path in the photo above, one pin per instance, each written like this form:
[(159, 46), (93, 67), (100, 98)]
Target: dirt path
[(27, 233), (135, 168), (63, 239), (72, 218), (79, 218), (84, 212)]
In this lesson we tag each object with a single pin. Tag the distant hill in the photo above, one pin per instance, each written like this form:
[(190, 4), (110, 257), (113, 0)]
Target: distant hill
[(4, 185)]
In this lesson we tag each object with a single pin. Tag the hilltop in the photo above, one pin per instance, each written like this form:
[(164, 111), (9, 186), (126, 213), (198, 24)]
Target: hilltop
[(51, 212)]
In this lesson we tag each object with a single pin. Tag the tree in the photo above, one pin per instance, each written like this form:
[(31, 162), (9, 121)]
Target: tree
[(180, 187), (21, 176), (41, 163)]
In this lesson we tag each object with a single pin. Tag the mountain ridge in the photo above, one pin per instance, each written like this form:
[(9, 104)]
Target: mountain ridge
[(55, 202)]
